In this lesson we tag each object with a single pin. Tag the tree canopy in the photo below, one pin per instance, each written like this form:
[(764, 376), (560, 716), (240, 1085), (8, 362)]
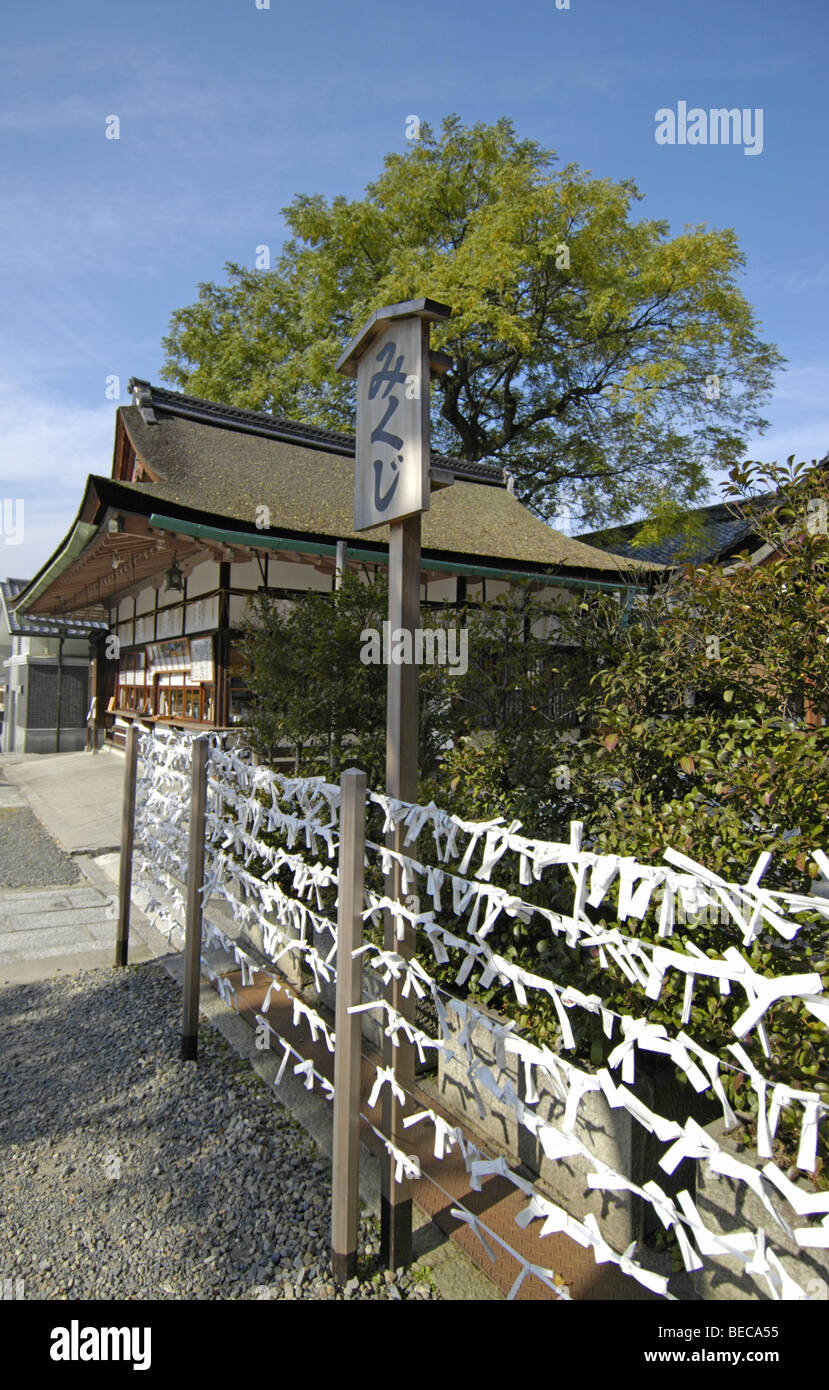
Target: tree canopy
[(598, 358)]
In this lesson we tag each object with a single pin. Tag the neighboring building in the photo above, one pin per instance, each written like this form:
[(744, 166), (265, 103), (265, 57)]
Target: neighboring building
[(704, 535), (44, 676), (707, 534), (208, 504)]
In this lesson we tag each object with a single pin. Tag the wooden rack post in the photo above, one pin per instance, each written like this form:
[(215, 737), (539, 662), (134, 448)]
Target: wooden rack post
[(193, 919), (122, 936), (345, 1198)]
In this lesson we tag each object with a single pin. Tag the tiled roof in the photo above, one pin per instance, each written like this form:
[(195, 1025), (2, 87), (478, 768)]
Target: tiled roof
[(710, 533), (24, 625)]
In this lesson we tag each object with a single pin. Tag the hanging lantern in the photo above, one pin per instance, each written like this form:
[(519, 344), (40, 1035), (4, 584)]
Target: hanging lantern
[(175, 578)]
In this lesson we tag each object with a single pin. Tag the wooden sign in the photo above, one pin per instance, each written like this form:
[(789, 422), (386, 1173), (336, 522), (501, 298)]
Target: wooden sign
[(391, 360), (392, 465)]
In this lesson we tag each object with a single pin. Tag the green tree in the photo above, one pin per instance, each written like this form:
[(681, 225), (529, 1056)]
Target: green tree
[(703, 706), (311, 694), (710, 699), (521, 685), (599, 359)]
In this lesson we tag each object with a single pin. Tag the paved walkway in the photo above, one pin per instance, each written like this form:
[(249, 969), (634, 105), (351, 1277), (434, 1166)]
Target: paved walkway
[(75, 796), (47, 931), (51, 931)]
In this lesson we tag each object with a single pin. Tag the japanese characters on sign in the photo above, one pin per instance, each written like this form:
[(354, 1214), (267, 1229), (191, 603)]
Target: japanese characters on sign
[(392, 462)]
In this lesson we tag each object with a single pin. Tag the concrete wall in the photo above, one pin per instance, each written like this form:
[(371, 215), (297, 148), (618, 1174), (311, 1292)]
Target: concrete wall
[(613, 1135), (727, 1205)]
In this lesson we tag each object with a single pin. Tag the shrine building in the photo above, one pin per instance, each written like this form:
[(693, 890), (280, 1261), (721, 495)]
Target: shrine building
[(207, 504)]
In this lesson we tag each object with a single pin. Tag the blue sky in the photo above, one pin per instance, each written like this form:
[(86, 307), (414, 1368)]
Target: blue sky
[(227, 111)]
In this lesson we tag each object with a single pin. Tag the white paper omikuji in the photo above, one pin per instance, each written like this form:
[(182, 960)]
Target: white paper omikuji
[(446, 1136), (649, 1035)]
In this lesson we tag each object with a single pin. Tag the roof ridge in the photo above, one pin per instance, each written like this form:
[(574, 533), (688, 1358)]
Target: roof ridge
[(149, 399)]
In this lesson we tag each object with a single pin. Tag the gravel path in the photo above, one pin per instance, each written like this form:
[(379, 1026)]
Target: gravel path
[(126, 1173), (29, 857)]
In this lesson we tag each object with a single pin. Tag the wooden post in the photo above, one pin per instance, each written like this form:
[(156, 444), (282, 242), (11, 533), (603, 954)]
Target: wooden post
[(122, 938), (401, 782), (345, 1199), (222, 697), (193, 920)]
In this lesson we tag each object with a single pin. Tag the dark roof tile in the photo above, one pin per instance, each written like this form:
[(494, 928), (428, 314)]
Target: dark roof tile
[(27, 626), (712, 532)]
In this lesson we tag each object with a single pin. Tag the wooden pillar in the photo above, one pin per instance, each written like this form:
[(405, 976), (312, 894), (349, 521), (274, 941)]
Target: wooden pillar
[(92, 695), (122, 937), (59, 694), (345, 1187), (223, 648)]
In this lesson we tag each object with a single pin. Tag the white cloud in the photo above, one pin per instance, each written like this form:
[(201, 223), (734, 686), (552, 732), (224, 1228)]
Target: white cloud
[(806, 278), (809, 440), (799, 412), (803, 386)]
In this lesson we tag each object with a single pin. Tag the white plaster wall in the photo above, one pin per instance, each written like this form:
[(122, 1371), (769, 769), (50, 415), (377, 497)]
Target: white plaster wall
[(145, 601), (203, 580), (202, 615), (440, 590), (246, 576), (166, 597), (285, 574), (238, 609)]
